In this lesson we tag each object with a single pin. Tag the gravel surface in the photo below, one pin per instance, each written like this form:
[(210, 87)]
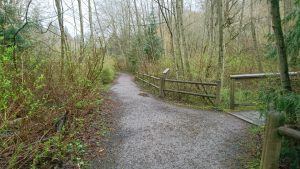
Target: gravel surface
[(158, 135)]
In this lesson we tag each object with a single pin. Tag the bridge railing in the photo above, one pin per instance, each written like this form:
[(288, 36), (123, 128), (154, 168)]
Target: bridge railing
[(240, 78), (164, 85)]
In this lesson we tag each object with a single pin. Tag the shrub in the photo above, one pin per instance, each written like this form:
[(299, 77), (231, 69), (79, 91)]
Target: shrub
[(108, 72), (287, 103)]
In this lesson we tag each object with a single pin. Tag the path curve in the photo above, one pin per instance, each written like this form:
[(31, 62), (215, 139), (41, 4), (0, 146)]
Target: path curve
[(157, 135)]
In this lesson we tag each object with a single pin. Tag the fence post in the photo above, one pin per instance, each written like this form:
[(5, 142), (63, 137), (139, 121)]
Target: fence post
[(218, 93), (162, 82), (272, 141), (232, 89), (143, 77)]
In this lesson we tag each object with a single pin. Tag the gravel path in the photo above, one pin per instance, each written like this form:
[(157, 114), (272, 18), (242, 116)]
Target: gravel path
[(158, 135)]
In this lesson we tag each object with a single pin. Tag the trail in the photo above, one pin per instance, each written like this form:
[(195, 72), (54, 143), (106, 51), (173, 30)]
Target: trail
[(157, 135)]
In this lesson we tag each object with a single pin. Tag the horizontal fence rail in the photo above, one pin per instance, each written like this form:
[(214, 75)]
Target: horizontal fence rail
[(191, 93), (164, 85), (243, 77), (260, 75), (141, 75), (289, 132), (192, 82)]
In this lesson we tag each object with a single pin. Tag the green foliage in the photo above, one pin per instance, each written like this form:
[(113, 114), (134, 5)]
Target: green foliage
[(108, 72), (133, 55), (145, 47), (6, 81), (291, 22), (290, 154), (285, 102), (54, 151), (152, 44), (33, 92), (13, 160), (292, 36), (255, 146), (107, 75), (77, 149), (10, 23)]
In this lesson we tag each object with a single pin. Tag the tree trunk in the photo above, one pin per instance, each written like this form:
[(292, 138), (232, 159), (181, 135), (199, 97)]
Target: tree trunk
[(281, 50), (178, 36), (255, 43), (220, 72), (269, 18), (241, 26), (166, 14), (81, 31), (75, 32), (137, 17), (91, 26), (62, 34), (212, 13), (211, 38), (182, 36)]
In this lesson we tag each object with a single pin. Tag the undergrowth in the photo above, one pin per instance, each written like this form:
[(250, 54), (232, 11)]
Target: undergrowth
[(287, 103), (43, 111)]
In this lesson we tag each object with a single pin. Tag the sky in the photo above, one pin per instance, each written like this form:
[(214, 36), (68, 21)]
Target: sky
[(48, 13)]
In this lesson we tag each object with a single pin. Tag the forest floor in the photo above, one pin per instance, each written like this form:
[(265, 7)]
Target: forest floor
[(150, 133)]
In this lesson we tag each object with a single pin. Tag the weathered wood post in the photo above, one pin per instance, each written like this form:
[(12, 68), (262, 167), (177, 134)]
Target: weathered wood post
[(149, 80), (218, 93), (232, 89), (163, 82), (272, 141)]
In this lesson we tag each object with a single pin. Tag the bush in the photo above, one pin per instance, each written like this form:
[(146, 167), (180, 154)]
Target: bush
[(287, 103), (108, 72)]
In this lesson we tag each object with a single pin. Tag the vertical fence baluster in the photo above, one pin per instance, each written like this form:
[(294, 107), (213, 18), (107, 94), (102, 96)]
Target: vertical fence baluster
[(232, 90)]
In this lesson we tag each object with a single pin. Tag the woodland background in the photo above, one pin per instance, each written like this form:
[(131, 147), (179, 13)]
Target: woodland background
[(57, 58)]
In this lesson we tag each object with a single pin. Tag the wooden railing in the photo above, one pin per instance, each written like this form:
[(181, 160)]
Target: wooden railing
[(148, 79), (241, 77), (159, 83), (274, 132)]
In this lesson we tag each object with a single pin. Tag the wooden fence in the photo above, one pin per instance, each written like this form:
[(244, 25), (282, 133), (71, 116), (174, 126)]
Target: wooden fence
[(274, 132), (242, 77), (159, 84)]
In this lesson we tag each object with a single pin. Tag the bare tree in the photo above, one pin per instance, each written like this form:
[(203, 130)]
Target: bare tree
[(254, 38), (241, 26), (81, 31), (179, 12), (92, 40), (75, 25), (58, 4), (167, 16)]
